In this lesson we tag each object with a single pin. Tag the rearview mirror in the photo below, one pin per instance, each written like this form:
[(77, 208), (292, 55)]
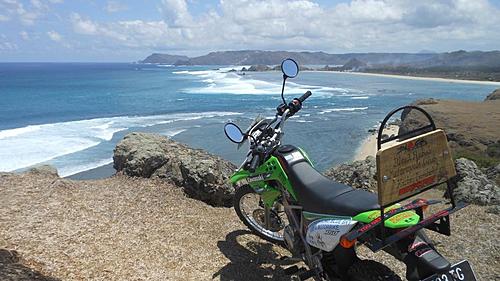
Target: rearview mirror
[(233, 133), (290, 68)]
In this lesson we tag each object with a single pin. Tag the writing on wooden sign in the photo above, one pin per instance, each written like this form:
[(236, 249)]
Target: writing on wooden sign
[(405, 168)]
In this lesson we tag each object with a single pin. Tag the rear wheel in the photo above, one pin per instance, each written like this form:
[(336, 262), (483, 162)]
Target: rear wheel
[(266, 223), (368, 270)]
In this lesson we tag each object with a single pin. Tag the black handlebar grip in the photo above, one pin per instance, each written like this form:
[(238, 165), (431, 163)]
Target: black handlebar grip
[(254, 163), (305, 96)]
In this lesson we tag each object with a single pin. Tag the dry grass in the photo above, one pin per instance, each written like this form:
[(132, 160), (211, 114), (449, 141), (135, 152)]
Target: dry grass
[(136, 229), (127, 229)]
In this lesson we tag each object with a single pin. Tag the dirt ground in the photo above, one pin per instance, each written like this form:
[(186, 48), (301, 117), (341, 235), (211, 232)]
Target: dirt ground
[(137, 229)]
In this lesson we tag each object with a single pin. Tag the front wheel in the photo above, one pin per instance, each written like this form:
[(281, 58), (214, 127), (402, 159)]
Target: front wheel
[(267, 223)]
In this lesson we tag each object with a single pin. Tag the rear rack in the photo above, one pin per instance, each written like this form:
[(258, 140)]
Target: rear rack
[(392, 191)]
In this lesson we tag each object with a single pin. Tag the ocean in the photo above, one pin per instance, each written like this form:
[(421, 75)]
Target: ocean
[(71, 115)]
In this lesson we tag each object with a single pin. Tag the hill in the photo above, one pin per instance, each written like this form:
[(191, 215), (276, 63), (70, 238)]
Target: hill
[(249, 57), (163, 59), (471, 127), (476, 65), (419, 60)]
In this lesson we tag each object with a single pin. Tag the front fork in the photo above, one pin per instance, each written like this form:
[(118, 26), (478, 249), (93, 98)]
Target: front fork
[(267, 216)]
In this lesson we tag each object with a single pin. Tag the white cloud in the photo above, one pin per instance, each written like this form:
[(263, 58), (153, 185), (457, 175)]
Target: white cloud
[(361, 25), (54, 36), (27, 14), (83, 26), (8, 46), (24, 35), (115, 6)]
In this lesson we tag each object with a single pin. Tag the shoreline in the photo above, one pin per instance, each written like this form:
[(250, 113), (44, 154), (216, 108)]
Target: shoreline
[(436, 79), (368, 146)]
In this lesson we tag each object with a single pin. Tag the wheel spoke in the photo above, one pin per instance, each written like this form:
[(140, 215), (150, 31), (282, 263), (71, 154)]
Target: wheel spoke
[(268, 222)]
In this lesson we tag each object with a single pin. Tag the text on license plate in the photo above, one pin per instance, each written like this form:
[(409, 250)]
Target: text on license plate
[(461, 271)]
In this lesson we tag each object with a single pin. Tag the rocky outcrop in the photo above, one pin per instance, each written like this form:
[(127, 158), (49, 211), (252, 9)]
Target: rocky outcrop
[(495, 95), (12, 269), (471, 185), (202, 175), (259, 67), (358, 174), (45, 170), (493, 173)]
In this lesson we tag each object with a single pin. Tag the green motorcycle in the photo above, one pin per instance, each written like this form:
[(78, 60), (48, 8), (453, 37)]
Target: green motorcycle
[(282, 198)]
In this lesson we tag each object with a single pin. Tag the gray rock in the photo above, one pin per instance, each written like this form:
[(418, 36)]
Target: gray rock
[(495, 209), (45, 170), (473, 186), (493, 173), (202, 175), (12, 269), (358, 174), (495, 95), (259, 67)]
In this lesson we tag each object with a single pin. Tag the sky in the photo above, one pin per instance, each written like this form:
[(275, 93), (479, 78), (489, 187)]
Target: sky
[(126, 30)]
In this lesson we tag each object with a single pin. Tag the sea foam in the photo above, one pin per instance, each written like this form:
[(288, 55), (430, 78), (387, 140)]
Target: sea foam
[(30, 145), (221, 81)]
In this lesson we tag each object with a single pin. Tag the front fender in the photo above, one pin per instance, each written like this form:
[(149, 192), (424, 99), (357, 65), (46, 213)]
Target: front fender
[(238, 176)]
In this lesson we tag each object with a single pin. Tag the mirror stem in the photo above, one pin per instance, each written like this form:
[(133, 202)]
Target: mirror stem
[(283, 89)]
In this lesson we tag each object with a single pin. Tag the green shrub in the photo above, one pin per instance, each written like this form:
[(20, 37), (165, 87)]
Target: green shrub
[(481, 160), (493, 150)]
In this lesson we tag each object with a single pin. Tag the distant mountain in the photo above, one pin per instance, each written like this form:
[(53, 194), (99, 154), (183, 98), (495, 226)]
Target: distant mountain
[(353, 65), (463, 59), (476, 65), (251, 57), (164, 58)]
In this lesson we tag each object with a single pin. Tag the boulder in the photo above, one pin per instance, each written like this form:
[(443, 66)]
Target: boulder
[(259, 67), (495, 95), (202, 176), (358, 174), (493, 173), (44, 170), (471, 185)]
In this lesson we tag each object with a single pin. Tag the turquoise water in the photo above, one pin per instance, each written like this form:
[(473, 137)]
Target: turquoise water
[(72, 115)]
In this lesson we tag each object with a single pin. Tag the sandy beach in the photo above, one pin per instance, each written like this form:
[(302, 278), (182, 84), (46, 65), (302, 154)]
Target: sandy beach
[(369, 145), (415, 77)]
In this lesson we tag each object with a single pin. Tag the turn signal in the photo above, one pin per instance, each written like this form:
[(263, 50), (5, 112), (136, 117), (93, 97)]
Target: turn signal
[(346, 243)]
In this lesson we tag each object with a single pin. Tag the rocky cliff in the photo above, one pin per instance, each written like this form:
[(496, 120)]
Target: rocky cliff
[(495, 95), (200, 174)]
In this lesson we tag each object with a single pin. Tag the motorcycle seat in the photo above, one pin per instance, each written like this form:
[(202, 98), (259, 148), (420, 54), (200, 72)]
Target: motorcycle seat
[(318, 194)]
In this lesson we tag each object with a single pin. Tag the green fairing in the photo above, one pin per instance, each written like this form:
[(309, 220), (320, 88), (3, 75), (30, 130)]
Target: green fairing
[(401, 220), (271, 170)]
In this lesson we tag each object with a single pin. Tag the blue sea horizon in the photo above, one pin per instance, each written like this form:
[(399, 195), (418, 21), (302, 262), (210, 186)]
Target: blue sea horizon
[(71, 115)]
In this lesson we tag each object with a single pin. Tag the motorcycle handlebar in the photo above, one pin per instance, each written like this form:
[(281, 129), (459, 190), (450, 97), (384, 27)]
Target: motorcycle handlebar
[(254, 163), (305, 96)]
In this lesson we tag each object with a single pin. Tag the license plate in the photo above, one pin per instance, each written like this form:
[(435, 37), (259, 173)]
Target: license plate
[(461, 271)]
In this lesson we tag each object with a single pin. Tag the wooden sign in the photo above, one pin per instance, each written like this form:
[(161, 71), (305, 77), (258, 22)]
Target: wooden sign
[(405, 168)]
